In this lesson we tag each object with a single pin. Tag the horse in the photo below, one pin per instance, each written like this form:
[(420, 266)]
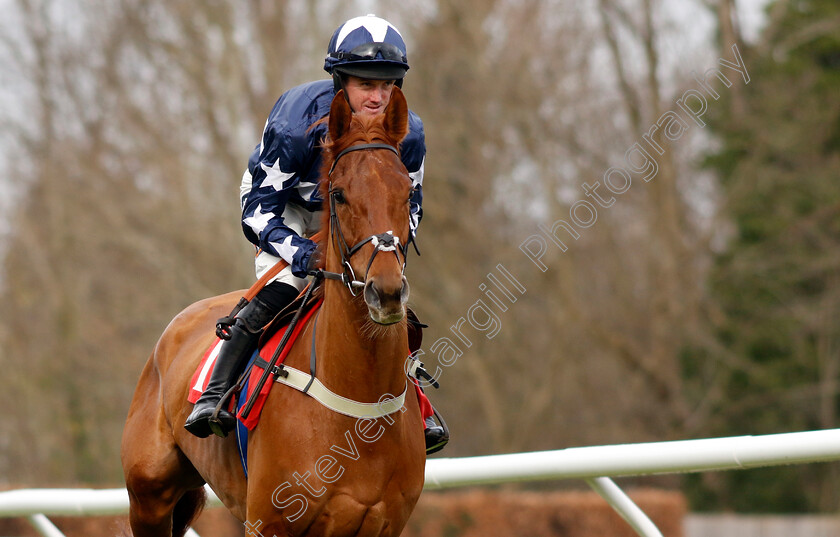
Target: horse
[(311, 471)]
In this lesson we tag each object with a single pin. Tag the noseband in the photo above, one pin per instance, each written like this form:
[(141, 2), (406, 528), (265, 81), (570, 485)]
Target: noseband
[(383, 242)]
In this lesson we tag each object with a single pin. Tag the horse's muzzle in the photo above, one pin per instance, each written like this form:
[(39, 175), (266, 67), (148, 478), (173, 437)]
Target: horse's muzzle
[(386, 306)]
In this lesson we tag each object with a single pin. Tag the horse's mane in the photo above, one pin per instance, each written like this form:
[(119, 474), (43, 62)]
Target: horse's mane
[(362, 130)]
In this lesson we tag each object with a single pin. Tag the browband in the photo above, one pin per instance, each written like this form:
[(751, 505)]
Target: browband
[(359, 147)]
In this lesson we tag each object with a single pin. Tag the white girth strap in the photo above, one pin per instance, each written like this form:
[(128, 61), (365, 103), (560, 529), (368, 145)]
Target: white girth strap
[(299, 380)]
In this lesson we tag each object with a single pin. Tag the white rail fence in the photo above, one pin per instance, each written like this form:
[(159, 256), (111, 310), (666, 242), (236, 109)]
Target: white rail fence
[(592, 464)]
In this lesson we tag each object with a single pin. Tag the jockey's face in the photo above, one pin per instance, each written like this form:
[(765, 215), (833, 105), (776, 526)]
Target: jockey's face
[(366, 96)]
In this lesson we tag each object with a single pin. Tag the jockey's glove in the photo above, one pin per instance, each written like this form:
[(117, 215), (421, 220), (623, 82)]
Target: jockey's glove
[(315, 262)]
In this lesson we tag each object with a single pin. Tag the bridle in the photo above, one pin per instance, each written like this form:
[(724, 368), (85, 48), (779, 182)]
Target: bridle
[(382, 242)]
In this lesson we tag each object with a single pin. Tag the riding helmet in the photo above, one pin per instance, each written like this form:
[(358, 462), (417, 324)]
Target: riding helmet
[(367, 47)]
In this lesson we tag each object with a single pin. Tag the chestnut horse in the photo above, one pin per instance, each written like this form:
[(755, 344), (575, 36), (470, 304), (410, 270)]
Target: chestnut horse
[(312, 471)]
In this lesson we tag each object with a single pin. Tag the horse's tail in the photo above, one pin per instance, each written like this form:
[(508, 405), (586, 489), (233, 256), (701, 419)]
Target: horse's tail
[(187, 510)]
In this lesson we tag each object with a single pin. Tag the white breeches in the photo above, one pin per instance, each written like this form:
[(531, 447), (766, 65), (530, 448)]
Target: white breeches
[(305, 224)]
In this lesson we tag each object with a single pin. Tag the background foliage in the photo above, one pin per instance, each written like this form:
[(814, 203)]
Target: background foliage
[(701, 303)]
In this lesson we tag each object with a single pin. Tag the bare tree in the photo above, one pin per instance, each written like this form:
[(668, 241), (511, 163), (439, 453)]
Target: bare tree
[(140, 119), (145, 115)]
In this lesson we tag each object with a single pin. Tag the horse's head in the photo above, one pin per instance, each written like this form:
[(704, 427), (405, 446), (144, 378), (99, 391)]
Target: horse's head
[(367, 189)]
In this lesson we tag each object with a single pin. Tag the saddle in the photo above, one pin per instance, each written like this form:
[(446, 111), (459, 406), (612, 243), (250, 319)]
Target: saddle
[(269, 355), (303, 302)]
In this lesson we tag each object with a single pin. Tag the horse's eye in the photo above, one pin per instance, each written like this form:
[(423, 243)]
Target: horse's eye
[(338, 196)]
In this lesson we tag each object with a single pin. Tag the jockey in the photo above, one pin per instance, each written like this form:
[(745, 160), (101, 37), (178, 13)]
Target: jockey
[(279, 195)]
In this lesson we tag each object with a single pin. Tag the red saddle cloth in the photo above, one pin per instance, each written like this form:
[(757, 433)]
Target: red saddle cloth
[(205, 368)]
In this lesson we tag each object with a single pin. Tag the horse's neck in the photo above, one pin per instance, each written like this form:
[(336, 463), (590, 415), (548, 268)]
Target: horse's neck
[(353, 363)]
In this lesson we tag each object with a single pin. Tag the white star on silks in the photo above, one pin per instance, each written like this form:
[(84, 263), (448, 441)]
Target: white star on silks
[(284, 248), (259, 220), (376, 27), (274, 177)]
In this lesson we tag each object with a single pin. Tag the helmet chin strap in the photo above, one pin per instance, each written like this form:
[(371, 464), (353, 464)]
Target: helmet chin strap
[(338, 84)]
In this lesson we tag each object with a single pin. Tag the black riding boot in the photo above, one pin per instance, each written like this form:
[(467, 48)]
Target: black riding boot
[(245, 333), (437, 436)]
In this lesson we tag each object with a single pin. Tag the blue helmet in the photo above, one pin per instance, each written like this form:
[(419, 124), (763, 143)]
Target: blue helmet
[(367, 47)]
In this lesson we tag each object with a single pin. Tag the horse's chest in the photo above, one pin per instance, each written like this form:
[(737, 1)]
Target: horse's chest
[(361, 497), (338, 477)]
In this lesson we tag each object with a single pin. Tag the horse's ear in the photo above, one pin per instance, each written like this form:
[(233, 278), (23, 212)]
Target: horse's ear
[(396, 115), (340, 116)]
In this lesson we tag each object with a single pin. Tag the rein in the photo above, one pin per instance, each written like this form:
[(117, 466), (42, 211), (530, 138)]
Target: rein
[(383, 242)]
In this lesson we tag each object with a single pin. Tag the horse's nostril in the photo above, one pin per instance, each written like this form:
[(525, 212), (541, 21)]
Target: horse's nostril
[(372, 296), (404, 291), (376, 297)]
